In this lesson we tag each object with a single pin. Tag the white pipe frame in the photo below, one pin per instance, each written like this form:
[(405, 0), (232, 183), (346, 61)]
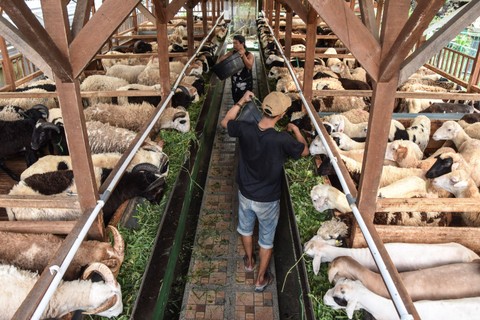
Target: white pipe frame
[(60, 270), (392, 289)]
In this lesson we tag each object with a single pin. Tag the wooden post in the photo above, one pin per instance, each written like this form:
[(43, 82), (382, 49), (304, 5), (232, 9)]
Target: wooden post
[(205, 17), (162, 40), (475, 72), (191, 42), (277, 19), (288, 32), (8, 73), (135, 21), (310, 53), (214, 12)]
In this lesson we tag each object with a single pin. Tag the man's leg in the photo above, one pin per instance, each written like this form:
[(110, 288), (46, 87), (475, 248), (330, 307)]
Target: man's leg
[(248, 247), (265, 255)]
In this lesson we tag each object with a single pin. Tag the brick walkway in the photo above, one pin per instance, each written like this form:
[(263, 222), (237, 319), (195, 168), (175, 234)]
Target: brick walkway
[(217, 285)]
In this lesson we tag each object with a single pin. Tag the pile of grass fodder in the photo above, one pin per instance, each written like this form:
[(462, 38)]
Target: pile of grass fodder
[(301, 179), (139, 242)]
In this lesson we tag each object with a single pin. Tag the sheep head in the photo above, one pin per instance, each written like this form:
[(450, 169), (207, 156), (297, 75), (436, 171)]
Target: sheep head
[(317, 147), (447, 131), (314, 248), (111, 307), (344, 296), (455, 182), (445, 163)]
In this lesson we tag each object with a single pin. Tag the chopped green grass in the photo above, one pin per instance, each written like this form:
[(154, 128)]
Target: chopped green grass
[(302, 178), (139, 242)]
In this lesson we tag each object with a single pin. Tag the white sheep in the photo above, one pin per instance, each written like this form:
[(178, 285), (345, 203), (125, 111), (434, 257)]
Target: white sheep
[(405, 256), (459, 280), (27, 103), (344, 142), (340, 123), (100, 82), (49, 163), (355, 296), (134, 116), (461, 185), (101, 298), (128, 73), (344, 71), (325, 197), (337, 103), (109, 62), (354, 116), (154, 100)]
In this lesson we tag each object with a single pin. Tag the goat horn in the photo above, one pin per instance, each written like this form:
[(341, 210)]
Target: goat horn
[(42, 108), (108, 278), (145, 167), (49, 125), (118, 244), (180, 114), (110, 302)]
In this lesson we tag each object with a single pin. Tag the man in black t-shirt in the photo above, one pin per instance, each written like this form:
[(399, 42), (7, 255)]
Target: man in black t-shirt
[(263, 152)]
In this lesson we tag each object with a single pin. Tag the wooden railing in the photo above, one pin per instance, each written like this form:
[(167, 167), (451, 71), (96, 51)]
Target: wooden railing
[(456, 66)]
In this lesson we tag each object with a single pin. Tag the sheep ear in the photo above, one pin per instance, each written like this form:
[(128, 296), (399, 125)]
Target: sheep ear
[(317, 261), (455, 166), (461, 184), (351, 306)]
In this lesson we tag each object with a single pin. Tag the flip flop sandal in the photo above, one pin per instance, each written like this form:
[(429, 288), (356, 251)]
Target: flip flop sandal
[(245, 263), (268, 280)]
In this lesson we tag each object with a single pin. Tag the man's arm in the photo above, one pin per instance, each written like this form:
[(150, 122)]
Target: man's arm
[(235, 109), (300, 138)]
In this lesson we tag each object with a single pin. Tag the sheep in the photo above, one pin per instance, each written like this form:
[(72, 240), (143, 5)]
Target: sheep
[(126, 72), (473, 130), (316, 147), (405, 256), (145, 154), (467, 146), (352, 295), (344, 71), (27, 103), (419, 131), (11, 113), (45, 84), (332, 229), (144, 180), (405, 153), (354, 116), (134, 117), (450, 161), (341, 124), (109, 62), (101, 298), (17, 136), (458, 280), (461, 185), (326, 197), (389, 175), (101, 83), (346, 143), (446, 107), (32, 252), (153, 100)]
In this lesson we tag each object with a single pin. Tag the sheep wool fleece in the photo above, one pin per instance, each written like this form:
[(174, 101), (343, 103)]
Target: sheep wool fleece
[(262, 156)]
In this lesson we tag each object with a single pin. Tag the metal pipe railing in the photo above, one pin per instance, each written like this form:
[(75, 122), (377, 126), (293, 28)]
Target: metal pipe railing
[(392, 289), (60, 270)]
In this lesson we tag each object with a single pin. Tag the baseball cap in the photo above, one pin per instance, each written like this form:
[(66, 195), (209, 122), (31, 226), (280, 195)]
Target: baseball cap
[(276, 103)]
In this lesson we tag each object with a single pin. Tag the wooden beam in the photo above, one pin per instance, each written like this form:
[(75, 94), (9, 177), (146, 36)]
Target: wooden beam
[(411, 32), (81, 16), (310, 54), (190, 36), (434, 44), (150, 17), (276, 29), (475, 72), (33, 34), (204, 18), (173, 8), (162, 40), (352, 32), (55, 227), (97, 31), (288, 32), (368, 16), (297, 7)]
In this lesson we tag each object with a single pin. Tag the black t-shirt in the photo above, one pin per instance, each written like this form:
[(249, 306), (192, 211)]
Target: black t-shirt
[(262, 156)]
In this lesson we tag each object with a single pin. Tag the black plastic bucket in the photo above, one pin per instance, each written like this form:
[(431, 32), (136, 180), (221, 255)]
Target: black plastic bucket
[(229, 66)]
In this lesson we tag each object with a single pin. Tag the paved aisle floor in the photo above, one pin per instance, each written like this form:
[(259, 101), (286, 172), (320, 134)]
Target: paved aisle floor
[(217, 285)]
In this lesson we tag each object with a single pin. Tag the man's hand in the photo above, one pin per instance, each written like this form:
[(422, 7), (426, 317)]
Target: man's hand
[(291, 127), (246, 97)]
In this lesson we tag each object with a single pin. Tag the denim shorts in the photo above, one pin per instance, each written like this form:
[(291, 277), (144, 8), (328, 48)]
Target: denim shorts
[(267, 214)]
